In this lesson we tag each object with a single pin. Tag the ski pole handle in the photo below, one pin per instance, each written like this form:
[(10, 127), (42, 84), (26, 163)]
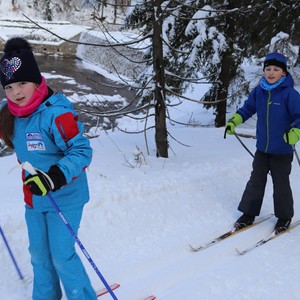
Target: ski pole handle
[(225, 132), (27, 166)]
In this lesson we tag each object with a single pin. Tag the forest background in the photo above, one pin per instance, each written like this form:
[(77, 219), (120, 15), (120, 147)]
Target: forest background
[(188, 42)]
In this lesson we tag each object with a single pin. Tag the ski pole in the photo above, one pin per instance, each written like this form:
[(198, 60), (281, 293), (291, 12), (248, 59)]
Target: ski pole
[(238, 138), (29, 168), (296, 154), (11, 254)]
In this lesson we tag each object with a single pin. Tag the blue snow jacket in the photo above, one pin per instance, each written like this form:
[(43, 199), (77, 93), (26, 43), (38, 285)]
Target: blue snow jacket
[(277, 111), (52, 135)]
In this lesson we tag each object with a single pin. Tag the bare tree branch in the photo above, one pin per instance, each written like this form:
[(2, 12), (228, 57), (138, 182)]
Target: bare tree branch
[(83, 43)]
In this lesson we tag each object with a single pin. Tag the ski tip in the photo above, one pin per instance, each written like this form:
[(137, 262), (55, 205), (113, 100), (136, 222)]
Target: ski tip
[(195, 249), (239, 251), (152, 297), (105, 290)]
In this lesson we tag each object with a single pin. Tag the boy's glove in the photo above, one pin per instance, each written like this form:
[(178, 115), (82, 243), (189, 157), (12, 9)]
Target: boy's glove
[(292, 137), (42, 183), (234, 121)]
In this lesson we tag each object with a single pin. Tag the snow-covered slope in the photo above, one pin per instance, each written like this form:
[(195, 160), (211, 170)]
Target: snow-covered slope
[(76, 11), (142, 217)]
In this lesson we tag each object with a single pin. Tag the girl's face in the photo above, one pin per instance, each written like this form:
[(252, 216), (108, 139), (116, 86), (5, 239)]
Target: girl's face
[(20, 92), (273, 73)]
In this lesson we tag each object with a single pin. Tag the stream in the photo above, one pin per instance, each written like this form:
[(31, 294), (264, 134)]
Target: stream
[(70, 75)]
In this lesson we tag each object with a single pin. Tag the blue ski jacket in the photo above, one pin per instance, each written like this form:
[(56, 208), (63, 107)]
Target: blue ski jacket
[(53, 135), (277, 112)]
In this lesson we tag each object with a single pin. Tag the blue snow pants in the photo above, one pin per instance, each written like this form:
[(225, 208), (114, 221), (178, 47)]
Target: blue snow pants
[(53, 256)]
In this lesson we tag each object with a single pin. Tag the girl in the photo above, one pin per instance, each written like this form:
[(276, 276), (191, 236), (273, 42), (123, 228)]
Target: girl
[(43, 129), (277, 105)]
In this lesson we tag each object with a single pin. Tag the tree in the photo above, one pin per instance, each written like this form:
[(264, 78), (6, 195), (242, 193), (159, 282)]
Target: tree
[(159, 80), (192, 37), (48, 10), (155, 19), (222, 34)]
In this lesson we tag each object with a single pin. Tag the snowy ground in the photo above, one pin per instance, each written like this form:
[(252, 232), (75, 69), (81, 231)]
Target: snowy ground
[(144, 213), (141, 219)]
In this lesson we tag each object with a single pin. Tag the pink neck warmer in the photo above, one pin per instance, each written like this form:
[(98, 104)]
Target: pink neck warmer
[(36, 99)]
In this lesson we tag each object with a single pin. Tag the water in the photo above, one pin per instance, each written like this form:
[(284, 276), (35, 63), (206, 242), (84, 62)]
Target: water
[(88, 81), (69, 76), (84, 77)]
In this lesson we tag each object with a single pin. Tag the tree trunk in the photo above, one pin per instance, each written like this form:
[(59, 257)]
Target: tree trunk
[(115, 11), (48, 11), (161, 133), (228, 69), (225, 77)]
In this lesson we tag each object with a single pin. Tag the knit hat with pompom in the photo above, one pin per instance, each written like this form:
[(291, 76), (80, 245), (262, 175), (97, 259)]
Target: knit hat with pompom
[(18, 63)]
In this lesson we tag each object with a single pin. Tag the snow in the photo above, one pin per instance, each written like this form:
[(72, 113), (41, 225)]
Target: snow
[(143, 214), (145, 211), (11, 28)]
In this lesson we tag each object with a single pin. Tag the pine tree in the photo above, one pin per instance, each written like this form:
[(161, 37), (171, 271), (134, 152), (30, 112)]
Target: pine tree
[(222, 34), (209, 37), (150, 15)]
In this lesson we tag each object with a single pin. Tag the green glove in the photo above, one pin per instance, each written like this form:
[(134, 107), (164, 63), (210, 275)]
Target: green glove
[(234, 121), (292, 137)]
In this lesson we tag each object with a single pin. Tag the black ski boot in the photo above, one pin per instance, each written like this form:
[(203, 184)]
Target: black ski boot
[(244, 221), (282, 225)]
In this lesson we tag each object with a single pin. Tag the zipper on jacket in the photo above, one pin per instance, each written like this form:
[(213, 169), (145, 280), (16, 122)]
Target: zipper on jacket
[(267, 125)]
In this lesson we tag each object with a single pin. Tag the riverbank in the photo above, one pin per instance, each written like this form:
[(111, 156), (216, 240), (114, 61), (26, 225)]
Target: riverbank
[(83, 73), (110, 54), (42, 40), (64, 39)]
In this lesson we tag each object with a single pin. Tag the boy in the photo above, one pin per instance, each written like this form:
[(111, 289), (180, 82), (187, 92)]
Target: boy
[(277, 105)]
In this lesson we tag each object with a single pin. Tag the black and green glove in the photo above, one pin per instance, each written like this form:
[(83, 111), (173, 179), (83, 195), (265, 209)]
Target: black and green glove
[(42, 183), (292, 137), (235, 120)]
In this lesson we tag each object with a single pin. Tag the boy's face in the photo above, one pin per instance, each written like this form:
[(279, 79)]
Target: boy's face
[(273, 73), (20, 92)]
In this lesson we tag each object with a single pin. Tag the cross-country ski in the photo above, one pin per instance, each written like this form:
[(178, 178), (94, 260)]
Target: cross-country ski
[(228, 234), (267, 239), (105, 290), (150, 298), (114, 286)]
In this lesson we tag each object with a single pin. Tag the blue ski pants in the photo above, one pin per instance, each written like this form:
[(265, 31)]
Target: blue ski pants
[(54, 258)]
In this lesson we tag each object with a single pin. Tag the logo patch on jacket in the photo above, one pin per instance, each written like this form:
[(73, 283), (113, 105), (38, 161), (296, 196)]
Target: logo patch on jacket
[(35, 146), (33, 136)]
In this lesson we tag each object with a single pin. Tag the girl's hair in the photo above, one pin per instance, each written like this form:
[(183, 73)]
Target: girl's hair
[(6, 126)]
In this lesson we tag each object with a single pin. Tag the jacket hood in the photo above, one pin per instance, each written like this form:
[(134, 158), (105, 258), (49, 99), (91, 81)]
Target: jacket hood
[(289, 81)]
